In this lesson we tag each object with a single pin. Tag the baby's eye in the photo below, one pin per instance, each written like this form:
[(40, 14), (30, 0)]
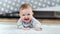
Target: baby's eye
[(28, 14), (23, 15)]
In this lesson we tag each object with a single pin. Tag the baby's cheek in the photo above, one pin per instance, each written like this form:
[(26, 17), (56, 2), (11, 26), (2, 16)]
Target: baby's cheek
[(30, 17)]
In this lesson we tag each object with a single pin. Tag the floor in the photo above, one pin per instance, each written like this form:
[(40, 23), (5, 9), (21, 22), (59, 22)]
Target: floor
[(11, 28)]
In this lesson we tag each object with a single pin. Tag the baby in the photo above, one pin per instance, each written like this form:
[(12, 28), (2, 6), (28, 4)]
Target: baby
[(27, 21)]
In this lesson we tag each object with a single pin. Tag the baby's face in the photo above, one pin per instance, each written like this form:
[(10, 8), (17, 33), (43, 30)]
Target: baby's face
[(26, 15)]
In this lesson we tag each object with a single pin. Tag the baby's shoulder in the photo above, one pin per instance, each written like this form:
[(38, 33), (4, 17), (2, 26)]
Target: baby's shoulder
[(19, 20), (34, 20)]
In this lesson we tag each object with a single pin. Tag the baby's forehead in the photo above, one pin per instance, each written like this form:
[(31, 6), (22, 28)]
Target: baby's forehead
[(26, 10)]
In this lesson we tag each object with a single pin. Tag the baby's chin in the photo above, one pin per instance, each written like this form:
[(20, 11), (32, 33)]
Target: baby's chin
[(27, 21)]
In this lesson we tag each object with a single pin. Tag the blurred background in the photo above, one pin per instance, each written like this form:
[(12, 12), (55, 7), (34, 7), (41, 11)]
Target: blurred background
[(46, 11)]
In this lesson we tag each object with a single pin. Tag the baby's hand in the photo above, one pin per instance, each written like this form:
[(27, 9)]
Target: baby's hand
[(38, 29), (25, 28)]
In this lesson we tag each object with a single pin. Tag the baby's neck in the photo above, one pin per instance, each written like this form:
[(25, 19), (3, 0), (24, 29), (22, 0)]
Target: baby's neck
[(27, 22)]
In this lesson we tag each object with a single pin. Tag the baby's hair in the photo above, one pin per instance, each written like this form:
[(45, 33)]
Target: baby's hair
[(24, 6)]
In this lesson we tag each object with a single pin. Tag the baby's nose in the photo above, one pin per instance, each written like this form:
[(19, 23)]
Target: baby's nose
[(26, 16)]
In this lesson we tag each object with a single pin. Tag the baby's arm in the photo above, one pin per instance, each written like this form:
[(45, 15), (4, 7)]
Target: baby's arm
[(36, 25), (19, 24)]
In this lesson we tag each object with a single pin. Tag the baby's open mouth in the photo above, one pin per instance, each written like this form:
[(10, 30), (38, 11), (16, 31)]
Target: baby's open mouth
[(26, 19)]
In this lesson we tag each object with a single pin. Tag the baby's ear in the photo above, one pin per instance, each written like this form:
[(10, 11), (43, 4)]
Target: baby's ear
[(32, 13), (19, 14)]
